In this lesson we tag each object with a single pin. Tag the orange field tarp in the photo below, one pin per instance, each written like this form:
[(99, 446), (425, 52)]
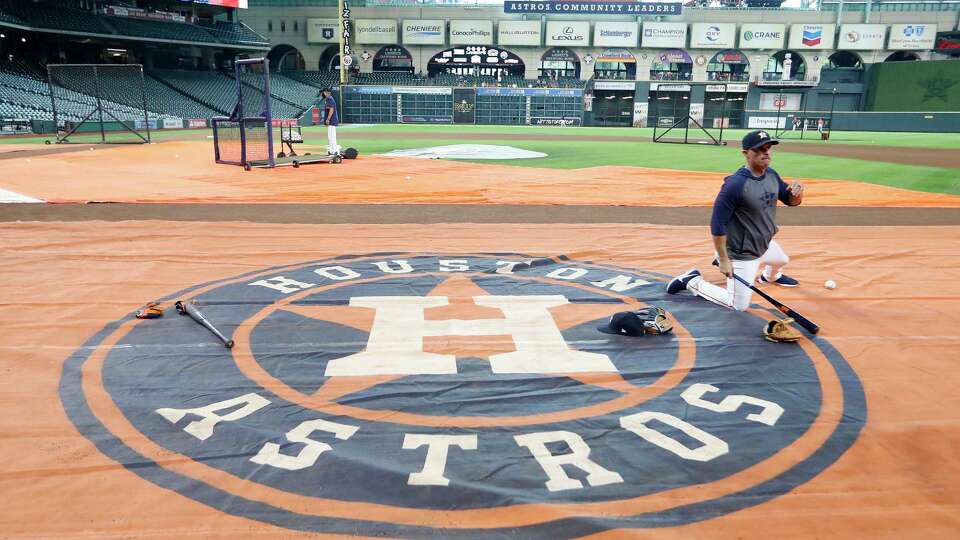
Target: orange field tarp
[(893, 318)]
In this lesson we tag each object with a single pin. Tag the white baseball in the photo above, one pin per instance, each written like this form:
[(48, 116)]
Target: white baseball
[(830, 284)]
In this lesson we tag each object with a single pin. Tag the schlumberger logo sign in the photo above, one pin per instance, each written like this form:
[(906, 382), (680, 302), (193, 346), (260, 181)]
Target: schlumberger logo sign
[(616, 33), (460, 396), (609, 8)]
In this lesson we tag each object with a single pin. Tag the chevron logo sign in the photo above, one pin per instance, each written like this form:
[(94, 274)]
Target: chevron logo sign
[(812, 36)]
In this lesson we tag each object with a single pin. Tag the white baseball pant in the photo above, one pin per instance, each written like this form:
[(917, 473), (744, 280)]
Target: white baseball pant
[(737, 295)]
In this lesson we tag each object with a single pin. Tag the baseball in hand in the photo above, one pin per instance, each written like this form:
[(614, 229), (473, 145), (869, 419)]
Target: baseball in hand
[(830, 284)]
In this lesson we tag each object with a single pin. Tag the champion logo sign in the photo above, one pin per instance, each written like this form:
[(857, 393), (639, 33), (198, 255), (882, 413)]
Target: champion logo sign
[(812, 36)]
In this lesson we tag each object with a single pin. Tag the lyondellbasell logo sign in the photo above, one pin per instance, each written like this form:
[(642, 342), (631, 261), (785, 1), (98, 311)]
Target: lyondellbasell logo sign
[(460, 396)]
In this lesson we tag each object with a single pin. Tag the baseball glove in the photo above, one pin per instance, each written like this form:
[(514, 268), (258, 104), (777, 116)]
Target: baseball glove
[(780, 331), (150, 311), (655, 320)]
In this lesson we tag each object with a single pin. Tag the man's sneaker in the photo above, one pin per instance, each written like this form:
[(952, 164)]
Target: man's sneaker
[(783, 281), (680, 282)]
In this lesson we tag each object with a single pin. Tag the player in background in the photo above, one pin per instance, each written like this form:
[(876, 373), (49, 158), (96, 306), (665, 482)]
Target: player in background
[(331, 119)]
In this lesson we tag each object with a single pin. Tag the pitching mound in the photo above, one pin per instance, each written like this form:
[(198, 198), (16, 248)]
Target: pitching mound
[(468, 151)]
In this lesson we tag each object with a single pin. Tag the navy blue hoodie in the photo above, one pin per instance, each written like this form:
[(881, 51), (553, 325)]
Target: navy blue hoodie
[(746, 211)]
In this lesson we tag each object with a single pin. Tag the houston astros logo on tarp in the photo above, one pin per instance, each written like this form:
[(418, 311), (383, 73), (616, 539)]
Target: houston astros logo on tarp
[(460, 396)]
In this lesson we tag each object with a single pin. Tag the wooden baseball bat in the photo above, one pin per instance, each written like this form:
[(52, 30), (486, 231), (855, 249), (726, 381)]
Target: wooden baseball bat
[(187, 308), (800, 319)]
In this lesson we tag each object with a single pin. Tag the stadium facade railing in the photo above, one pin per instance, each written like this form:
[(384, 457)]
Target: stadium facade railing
[(65, 19)]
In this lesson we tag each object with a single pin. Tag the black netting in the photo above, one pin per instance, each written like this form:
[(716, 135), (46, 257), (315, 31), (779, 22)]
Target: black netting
[(246, 138), (227, 140), (105, 102)]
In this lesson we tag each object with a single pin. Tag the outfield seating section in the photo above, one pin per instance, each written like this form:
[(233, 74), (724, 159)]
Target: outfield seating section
[(160, 30), (318, 79), (237, 33), (390, 78), (209, 88), (29, 98), (26, 13)]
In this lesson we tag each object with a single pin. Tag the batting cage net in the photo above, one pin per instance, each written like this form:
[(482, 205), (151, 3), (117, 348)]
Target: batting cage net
[(246, 137), (679, 118), (108, 101)]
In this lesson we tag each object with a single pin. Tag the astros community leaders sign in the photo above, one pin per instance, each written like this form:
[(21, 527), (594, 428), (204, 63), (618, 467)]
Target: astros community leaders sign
[(612, 8)]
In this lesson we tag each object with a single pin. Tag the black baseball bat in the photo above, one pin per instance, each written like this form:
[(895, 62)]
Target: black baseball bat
[(800, 319), (187, 308)]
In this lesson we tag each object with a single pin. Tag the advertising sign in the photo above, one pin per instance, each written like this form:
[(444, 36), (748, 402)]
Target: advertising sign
[(520, 33), (912, 37), (766, 122), (762, 36), (779, 101), (476, 32), (696, 112), (464, 105), (713, 35), (811, 36), (614, 85), (661, 34), (591, 8), (862, 37), (375, 31), (640, 109), (555, 121), (569, 33), (616, 34), (322, 30), (424, 32)]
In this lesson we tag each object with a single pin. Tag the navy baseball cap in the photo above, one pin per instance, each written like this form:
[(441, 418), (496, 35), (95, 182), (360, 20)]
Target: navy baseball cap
[(756, 139), (624, 323)]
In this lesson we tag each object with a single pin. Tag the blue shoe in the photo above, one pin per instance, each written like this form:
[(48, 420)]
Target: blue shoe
[(783, 281), (680, 282)]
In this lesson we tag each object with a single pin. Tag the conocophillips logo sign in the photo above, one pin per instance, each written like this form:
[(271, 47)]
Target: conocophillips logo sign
[(460, 396)]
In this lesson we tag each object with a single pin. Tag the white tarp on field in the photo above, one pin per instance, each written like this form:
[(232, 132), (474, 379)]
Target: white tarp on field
[(13, 197), (468, 151)]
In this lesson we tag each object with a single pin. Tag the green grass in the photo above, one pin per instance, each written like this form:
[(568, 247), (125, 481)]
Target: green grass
[(880, 138), (641, 152), (718, 159)]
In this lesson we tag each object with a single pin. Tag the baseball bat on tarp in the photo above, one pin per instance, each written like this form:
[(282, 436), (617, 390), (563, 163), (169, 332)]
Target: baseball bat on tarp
[(190, 308), (800, 319)]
